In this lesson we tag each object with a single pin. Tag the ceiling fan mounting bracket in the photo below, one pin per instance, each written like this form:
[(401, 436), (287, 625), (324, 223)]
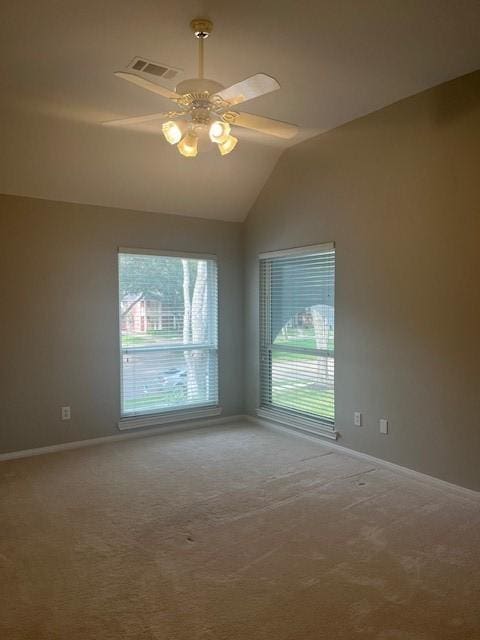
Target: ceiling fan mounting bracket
[(201, 27)]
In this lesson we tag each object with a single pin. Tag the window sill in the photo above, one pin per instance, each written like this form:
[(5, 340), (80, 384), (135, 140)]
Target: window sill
[(157, 419), (307, 425)]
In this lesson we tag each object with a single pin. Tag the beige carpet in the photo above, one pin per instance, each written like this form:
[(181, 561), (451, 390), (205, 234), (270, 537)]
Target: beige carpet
[(232, 533)]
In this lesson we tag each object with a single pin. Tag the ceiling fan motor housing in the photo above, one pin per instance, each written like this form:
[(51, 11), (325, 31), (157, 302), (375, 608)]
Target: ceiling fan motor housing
[(198, 86), (196, 98)]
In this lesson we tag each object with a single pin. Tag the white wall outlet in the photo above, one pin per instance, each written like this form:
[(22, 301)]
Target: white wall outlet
[(65, 413), (383, 425), (357, 419)]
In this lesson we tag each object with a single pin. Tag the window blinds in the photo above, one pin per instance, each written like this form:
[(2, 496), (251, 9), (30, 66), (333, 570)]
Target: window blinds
[(297, 324), (168, 332)]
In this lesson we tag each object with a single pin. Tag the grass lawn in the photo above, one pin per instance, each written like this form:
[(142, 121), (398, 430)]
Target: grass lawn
[(304, 338), (319, 402), (162, 400), (150, 338), (293, 384), (283, 356)]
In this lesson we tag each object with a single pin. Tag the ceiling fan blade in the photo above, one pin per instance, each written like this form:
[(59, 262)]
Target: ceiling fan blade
[(264, 125), (146, 84), (253, 87), (146, 118)]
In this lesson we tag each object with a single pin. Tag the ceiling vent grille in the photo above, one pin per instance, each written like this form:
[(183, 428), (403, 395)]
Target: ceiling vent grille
[(150, 68)]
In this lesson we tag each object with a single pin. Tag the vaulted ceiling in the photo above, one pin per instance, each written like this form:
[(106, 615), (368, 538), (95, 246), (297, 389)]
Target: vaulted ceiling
[(335, 61)]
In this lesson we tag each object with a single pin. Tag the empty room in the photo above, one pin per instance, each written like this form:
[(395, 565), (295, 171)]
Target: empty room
[(240, 313)]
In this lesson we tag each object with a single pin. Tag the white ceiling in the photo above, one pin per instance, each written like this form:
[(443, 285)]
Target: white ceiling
[(335, 60)]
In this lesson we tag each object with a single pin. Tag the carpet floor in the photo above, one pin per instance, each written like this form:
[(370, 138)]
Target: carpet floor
[(232, 533)]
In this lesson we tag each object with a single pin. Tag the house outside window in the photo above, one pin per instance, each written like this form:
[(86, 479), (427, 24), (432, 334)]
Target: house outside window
[(168, 332)]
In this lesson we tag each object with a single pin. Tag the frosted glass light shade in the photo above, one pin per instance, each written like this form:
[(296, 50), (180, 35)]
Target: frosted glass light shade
[(188, 147), (219, 131), (173, 131), (227, 145)]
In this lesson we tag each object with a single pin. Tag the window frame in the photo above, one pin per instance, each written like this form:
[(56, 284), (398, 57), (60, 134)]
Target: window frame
[(267, 409), (129, 420)]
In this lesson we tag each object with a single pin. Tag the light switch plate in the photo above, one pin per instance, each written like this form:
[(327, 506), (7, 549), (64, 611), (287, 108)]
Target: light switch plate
[(383, 425)]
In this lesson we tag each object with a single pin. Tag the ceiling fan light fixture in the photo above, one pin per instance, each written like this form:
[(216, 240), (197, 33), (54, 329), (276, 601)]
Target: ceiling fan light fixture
[(219, 131), (173, 131), (188, 147), (202, 116), (227, 145)]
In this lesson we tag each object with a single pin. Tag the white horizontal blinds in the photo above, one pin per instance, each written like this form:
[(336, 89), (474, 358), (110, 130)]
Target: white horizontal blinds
[(297, 324), (168, 332)]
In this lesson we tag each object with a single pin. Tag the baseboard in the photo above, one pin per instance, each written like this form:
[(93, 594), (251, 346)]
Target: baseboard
[(198, 424), (416, 475), (127, 435)]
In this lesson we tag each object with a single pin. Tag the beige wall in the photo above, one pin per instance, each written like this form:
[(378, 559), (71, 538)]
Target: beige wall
[(58, 320), (399, 193)]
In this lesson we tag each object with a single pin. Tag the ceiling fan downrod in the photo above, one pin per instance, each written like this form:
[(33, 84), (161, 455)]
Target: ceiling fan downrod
[(201, 28)]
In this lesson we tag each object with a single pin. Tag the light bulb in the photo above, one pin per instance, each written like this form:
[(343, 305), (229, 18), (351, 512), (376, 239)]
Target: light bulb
[(173, 131), (227, 145), (188, 147), (219, 131)]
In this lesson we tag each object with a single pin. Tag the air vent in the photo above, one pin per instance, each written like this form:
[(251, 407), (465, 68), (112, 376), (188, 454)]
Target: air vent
[(157, 69)]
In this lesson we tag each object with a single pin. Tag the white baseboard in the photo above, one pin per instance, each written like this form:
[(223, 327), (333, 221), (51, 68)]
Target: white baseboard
[(415, 475), (198, 424), (128, 435)]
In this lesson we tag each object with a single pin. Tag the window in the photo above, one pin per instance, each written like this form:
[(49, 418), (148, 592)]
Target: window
[(297, 324), (168, 332)]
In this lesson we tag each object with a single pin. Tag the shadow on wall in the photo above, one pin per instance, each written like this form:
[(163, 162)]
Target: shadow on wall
[(450, 101), (445, 104)]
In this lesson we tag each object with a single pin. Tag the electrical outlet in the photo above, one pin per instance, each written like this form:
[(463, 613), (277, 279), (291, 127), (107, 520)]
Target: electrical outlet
[(383, 426), (65, 413), (357, 419)]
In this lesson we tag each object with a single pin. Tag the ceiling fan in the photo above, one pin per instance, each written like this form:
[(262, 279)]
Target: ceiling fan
[(204, 113)]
